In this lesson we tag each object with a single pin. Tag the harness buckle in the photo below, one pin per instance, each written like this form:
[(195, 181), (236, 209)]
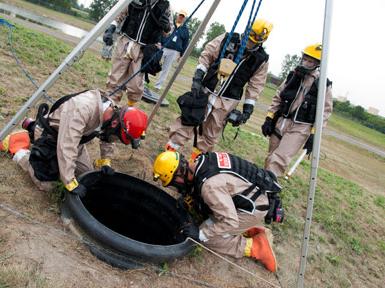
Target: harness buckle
[(226, 68)]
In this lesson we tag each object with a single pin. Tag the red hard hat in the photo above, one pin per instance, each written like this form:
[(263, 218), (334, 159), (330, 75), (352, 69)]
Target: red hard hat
[(133, 122)]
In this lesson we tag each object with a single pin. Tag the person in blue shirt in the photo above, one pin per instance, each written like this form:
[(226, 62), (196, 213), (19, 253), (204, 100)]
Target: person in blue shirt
[(174, 48)]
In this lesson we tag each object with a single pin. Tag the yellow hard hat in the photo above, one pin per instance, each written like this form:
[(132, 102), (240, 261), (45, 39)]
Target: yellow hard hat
[(260, 31), (183, 12), (165, 166), (314, 51)]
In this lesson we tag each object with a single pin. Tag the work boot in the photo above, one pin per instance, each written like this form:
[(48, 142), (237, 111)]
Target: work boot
[(253, 231), (194, 154), (15, 141), (260, 248)]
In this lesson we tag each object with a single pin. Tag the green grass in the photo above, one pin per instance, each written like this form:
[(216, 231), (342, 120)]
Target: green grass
[(380, 201), (15, 276), (2, 91), (357, 130), (335, 260), (268, 93), (45, 53), (381, 245)]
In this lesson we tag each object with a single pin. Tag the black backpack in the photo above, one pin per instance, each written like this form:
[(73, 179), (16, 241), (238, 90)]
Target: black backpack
[(152, 56), (193, 108)]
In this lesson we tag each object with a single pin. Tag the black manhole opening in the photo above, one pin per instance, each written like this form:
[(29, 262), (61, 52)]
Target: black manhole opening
[(127, 219), (135, 209)]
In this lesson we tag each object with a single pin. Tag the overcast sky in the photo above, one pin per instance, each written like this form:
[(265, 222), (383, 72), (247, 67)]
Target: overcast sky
[(356, 55)]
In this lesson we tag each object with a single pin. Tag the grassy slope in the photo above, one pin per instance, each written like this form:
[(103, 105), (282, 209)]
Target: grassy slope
[(357, 130), (40, 10), (345, 214)]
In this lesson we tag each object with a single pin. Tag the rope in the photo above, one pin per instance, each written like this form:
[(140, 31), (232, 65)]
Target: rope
[(229, 36), (18, 62), (122, 86), (247, 31), (235, 265), (245, 35)]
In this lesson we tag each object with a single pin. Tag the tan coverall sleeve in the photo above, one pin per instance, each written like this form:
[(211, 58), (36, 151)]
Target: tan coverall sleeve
[(328, 105), (216, 196), (276, 101), (121, 16), (71, 130), (257, 83), (210, 53)]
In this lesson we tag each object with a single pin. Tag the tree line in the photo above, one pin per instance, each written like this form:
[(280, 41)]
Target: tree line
[(359, 114)]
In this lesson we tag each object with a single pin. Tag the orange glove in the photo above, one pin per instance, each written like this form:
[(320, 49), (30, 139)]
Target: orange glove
[(15, 141)]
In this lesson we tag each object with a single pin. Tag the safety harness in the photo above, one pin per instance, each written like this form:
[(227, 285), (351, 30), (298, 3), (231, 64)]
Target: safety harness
[(43, 157), (44, 121), (231, 70), (142, 22), (262, 182), (306, 111)]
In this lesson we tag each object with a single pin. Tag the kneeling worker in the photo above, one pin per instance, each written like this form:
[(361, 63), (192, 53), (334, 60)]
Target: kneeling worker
[(237, 197), (58, 137)]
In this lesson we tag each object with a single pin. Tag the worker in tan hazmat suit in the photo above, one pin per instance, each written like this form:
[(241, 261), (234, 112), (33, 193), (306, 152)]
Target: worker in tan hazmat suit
[(290, 119), (233, 197), (59, 135)]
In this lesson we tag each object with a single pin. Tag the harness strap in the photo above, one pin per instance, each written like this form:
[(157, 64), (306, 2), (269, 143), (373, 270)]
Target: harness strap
[(44, 122), (277, 134), (262, 207), (63, 99), (197, 130), (249, 189), (236, 133), (256, 195)]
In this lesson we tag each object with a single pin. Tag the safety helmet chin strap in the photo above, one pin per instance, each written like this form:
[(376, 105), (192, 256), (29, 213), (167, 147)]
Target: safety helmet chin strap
[(301, 70), (254, 48), (184, 188), (306, 70), (107, 130)]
